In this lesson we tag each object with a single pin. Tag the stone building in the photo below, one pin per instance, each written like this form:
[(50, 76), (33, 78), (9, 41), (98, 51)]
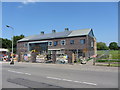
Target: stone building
[(80, 42)]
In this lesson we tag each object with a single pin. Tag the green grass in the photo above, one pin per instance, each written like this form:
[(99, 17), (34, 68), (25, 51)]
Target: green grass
[(100, 52), (107, 61), (115, 65), (111, 65), (115, 53)]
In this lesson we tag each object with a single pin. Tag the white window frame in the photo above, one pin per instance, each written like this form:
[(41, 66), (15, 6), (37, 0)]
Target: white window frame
[(49, 42), (92, 44), (64, 42)]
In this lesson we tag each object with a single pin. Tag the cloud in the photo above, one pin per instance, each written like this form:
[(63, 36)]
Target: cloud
[(20, 6), (25, 2), (29, 1)]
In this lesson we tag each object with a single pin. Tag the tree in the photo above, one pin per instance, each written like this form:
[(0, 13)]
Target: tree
[(113, 46), (101, 46), (16, 38), (8, 43)]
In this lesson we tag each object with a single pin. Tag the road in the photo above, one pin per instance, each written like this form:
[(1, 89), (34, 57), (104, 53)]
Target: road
[(32, 75)]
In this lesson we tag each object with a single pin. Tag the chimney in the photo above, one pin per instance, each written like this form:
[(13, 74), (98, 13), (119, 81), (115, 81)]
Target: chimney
[(42, 32), (53, 31), (66, 29)]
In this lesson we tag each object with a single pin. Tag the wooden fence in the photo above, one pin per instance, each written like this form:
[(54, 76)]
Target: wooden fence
[(105, 61)]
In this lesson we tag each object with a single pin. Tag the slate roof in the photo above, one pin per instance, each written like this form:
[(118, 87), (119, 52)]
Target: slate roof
[(57, 35)]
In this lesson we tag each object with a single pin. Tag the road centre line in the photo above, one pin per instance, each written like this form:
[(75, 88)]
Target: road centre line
[(54, 78), (72, 81), (19, 72), (67, 80), (89, 83), (27, 73)]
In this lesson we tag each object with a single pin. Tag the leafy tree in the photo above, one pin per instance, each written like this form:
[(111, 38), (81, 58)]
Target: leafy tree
[(8, 43), (101, 46), (16, 38), (113, 46)]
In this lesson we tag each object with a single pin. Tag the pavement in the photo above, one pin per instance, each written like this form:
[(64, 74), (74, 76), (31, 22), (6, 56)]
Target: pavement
[(37, 75)]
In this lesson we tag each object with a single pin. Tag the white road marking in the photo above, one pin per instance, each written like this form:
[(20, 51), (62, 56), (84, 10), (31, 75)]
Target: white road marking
[(89, 83), (77, 81), (72, 81), (27, 73), (67, 80), (19, 72), (54, 78)]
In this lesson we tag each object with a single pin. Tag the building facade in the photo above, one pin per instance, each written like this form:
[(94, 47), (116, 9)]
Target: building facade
[(81, 42)]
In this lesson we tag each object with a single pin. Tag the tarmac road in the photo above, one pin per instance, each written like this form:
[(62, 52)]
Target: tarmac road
[(32, 75)]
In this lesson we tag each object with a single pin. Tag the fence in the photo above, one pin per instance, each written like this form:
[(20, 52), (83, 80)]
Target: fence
[(107, 58), (106, 62)]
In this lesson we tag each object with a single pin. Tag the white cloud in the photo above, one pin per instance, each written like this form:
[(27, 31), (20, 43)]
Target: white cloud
[(26, 2), (20, 6), (29, 1)]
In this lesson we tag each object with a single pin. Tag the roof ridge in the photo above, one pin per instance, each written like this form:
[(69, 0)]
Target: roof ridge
[(60, 32)]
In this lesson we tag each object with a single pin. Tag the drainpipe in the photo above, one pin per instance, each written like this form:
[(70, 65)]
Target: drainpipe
[(77, 55), (87, 42), (28, 46)]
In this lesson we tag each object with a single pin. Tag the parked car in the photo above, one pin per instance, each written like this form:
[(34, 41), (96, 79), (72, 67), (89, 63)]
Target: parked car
[(49, 61), (62, 61), (83, 61)]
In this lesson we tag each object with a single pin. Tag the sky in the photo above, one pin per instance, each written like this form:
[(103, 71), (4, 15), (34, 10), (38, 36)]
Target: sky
[(32, 18)]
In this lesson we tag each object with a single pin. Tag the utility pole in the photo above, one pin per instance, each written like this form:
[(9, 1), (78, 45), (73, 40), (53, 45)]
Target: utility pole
[(12, 61)]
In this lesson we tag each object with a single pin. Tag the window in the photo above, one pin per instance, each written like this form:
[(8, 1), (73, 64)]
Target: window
[(92, 44), (50, 43), (25, 45), (82, 41), (71, 41), (62, 42), (55, 43)]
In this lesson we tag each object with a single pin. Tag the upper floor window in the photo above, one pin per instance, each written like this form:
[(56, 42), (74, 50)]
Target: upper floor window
[(82, 41), (92, 44), (25, 45), (63, 42), (50, 43), (55, 43), (71, 41)]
